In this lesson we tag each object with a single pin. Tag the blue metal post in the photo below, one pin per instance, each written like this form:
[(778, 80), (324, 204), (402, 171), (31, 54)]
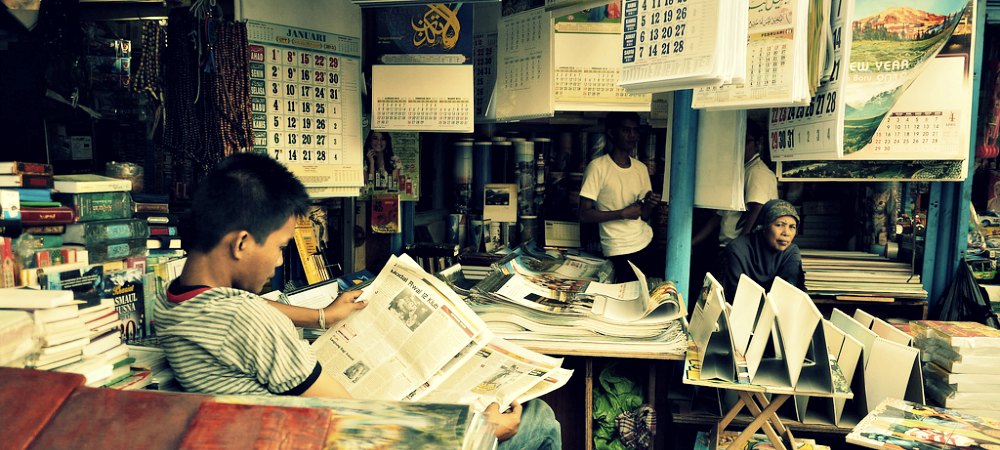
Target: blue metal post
[(953, 212), (931, 238), (405, 236), (682, 171)]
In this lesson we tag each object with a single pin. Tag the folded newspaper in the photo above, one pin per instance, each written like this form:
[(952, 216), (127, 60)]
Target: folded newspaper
[(417, 340)]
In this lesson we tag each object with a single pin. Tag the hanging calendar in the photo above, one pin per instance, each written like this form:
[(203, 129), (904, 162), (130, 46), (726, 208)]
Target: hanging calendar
[(306, 102)]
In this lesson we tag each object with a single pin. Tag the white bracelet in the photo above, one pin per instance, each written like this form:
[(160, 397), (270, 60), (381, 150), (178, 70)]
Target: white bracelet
[(322, 318)]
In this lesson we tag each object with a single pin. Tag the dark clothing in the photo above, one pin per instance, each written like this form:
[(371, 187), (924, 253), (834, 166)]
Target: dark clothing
[(750, 254), (644, 259)]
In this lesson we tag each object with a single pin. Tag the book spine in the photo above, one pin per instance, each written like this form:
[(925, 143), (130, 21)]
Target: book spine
[(92, 233), (99, 205), (115, 250), (32, 168), (45, 229), (90, 187), (42, 241), (162, 231), (151, 207), (47, 216), (50, 257), (36, 181)]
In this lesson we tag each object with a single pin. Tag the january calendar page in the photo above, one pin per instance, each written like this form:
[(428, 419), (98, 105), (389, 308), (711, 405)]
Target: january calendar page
[(304, 88)]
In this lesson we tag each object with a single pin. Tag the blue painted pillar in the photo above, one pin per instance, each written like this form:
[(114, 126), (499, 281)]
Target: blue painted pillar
[(682, 171), (405, 236), (941, 260)]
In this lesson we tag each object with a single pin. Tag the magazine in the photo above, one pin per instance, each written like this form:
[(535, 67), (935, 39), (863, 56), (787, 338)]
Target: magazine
[(417, 340), (901, 424)]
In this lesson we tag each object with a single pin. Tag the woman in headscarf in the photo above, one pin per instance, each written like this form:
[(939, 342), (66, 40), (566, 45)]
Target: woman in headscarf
[(766, 252)]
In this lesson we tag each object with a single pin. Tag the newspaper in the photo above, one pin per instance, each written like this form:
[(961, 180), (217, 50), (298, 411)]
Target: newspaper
[(417, 340)]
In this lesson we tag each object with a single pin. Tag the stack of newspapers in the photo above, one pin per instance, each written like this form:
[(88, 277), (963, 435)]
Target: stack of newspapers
[(552, 302), (668, 45)]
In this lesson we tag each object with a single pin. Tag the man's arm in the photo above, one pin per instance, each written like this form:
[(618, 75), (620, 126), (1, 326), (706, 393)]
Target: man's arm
[(711, 228), (750, 216), (507, 422), (649, 204), (325, 386), (589, 214), (338, 310)]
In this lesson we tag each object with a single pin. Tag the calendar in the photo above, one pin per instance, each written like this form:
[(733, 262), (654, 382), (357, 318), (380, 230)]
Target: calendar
[(422, 98), (586, 46), (305, 100), (671, 40), (883, 97), (524, 66), (816, 131), (776, 66), (484, 58)]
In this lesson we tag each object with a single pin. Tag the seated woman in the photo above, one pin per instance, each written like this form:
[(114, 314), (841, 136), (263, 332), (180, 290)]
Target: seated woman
[(766, 252)]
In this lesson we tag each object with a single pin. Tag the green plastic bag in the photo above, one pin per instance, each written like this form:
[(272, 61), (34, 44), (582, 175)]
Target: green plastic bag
[(616, 394)]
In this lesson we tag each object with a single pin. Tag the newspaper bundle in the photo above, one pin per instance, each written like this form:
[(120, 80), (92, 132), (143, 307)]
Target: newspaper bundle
[(417, 340)]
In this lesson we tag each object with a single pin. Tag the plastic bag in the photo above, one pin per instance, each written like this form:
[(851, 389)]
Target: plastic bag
[(965, 300)]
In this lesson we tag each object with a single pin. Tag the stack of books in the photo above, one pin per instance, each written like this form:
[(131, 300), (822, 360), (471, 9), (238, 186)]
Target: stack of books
[(101, 204), (859, 276), (56, 315), (961, 365), (10, 213), (17, 338), (164, 238)]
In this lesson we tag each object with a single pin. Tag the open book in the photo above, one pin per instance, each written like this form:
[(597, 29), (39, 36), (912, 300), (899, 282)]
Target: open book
[(417, 340)]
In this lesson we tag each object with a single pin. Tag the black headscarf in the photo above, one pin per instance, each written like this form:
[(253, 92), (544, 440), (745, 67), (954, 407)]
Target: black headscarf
[(750, 254)]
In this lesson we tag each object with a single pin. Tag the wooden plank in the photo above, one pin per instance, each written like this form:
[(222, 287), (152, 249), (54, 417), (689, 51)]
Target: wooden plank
[(862, 298), (227, 425), (588, 428), (108, 418), (28, 401)]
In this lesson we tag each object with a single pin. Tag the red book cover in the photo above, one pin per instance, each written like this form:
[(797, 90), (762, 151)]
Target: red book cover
[(29, 399), (157, 230), (226, 425), (50, 215), (109, 418), (36, 181), (16, 167)]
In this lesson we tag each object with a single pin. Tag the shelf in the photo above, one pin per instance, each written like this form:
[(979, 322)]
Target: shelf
[(742, 421)]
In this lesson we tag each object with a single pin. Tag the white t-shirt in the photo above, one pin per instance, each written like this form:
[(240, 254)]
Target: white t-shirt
[(613, 188), (759, 186)]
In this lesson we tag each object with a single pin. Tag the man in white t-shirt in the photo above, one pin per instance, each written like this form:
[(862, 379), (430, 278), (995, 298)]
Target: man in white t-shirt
[(618, 196), (759, 186)]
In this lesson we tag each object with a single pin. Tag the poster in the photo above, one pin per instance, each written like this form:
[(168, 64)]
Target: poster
[(306, 102), (899, 51), (436, 33), (392, 165)]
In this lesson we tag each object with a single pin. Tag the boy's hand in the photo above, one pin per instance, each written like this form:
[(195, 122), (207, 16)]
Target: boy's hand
[(649, 202), (507, 422), (632, 212), (341, 308)]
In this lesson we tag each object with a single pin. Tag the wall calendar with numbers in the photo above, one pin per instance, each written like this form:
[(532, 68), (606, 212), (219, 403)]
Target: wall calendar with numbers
[(777, 66), (888, 116), (681, 44), (306, 102), (816, 131), (524, 66), (586, 44)]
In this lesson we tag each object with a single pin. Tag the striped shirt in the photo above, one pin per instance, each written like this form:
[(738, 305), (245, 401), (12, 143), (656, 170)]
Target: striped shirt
[(230, 341)]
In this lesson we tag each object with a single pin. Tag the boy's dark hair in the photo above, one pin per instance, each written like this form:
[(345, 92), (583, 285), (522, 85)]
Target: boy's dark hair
[(246, 191), (615, 119)]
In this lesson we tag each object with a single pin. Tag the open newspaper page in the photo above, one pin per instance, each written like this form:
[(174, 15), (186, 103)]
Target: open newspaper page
[(408, 332), (499, 372)]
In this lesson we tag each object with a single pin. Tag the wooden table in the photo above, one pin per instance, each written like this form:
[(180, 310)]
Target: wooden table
[(762, 409), (649, 356)]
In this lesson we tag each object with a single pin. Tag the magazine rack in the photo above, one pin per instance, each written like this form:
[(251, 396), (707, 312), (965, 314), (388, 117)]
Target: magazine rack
[(762, 402)]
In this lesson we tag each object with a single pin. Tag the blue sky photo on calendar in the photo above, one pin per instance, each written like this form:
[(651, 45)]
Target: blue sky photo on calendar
[(893, 41)]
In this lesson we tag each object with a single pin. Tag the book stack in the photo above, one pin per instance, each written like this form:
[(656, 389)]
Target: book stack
[(10, 213), (859, 276), (150, 369), (100, 203), (17, 338), (164, 237), (24, 175), (961, 365), (60, 331)]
